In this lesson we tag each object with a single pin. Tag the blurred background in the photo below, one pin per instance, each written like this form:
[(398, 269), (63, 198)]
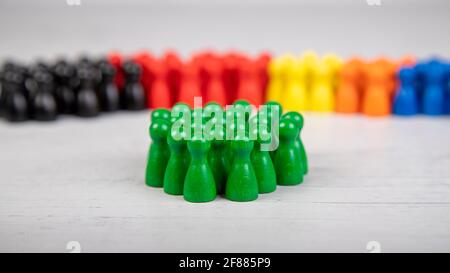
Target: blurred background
[(49, 28)]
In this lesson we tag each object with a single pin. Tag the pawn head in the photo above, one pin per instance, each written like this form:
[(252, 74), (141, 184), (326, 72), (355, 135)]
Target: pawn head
[(276, 104), (107, 70), (161, 113), (212, 103), (159, 129), (275, 67), (63, 70), (210, 109), (288, 129), (242, 107), (242, 103), (406, 74), (296, 117), (181, 107), (132, 70), (197, 116)]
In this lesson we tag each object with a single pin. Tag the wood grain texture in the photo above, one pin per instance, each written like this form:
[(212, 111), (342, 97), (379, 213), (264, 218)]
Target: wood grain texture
[(385, 180)]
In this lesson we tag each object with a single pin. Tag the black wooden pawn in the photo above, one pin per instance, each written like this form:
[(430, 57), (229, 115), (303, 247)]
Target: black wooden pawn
[(13, 102), (86, 98), (65, 78), (43, 102), (9, 67), (108, 93), (133, 95), (2, 89)]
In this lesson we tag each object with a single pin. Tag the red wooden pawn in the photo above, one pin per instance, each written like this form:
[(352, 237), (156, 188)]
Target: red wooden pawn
[(160, 96), (174, 66), (216, 90), (249, 85), (190, 86)]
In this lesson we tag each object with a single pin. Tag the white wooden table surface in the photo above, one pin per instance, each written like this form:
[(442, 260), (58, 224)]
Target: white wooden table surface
[(385, 180)]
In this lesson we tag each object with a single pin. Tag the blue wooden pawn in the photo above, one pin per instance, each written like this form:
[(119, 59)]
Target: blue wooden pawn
[(406, 100)]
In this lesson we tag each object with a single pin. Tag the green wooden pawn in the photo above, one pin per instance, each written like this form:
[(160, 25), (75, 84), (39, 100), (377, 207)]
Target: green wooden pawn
[(199, 185), (245, 106), (229, 129), (298, 119), (288, 163), (177, 165), (216, 159), (274, 104), (197, 114), (158, 154), (179, 108), (160, 113), (182, 105), (212, 103), (210, 109), (197, 122), (242, 184), (233, 120), (241, 102), (213, 115), (269, 112), (262, 163)]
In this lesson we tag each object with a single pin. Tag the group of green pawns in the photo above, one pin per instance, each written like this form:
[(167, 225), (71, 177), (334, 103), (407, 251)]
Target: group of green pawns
[(201, 161)]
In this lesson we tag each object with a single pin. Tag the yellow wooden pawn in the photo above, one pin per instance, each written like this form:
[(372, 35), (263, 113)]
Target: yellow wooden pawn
[(322, 94), (296, 95), (287, 62), (275, 86), (335, 64), (309, 61)]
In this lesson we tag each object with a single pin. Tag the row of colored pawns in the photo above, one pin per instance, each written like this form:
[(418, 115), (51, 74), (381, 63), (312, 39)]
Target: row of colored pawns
[(209, 164)]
